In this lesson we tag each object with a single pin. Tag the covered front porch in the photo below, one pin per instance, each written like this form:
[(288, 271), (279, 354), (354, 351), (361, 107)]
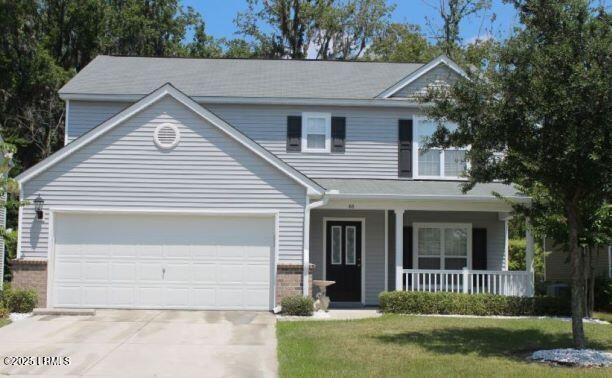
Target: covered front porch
[(454, 244)]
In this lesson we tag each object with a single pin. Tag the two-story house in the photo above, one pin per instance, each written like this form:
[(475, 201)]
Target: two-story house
[(228, 184)]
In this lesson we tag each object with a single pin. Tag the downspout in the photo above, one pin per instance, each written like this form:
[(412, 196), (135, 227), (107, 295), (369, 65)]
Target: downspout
[(306, 266)]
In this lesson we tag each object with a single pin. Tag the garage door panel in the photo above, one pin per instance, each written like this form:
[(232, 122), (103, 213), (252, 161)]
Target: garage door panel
[(94, 294), (122, 272), (69, 295), (162, 261)]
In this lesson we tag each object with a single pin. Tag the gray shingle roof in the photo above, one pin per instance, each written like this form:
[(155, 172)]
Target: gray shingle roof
[(361, 187), (238, 77)]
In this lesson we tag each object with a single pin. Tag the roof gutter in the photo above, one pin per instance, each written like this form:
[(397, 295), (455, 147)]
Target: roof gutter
[(431, 197)]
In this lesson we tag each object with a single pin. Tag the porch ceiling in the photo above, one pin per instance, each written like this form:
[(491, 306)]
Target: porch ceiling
[(424, 189)]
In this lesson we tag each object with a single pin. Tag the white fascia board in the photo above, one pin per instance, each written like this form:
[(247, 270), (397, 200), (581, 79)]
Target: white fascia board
[(443, 59), (375, 102), (169, 90), (459, 198)]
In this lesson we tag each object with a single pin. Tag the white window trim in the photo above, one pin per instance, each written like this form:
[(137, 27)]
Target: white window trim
[(327, 117), (415, 155), (441, 226)]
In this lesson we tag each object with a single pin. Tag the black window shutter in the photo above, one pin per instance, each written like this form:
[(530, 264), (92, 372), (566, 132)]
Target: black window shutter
[(479, 248), (405, 148), (294, 133), (338, 134), (408, 248)]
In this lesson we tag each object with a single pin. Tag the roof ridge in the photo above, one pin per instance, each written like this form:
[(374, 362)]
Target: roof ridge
[(259, 59)]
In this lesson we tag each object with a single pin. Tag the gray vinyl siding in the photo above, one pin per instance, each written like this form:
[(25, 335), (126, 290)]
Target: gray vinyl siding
[(85, 115), (557, 265), (371, 138), (374, 254), (371, 135), (206, 170), (441, 74), (496, 234)]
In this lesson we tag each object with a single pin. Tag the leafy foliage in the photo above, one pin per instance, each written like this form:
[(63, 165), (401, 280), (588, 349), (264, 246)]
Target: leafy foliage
[(407, 302), (340, 29), (297, 305), (19, 300), (538, 115)]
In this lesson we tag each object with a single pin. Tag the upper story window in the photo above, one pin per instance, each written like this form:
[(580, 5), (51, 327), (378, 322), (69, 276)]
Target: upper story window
[(316, 132), (435, 162)]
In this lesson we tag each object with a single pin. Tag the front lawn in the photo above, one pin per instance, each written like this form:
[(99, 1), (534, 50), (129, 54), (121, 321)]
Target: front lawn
[(4, 321), (397, 345)]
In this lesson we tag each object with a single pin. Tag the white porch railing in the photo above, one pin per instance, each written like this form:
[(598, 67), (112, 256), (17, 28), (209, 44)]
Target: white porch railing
[(509, 283)]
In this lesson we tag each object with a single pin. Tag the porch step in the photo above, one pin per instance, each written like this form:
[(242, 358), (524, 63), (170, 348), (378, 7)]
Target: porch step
[(64, 311)]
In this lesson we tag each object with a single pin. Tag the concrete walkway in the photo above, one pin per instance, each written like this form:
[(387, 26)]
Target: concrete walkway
[(135, 343)]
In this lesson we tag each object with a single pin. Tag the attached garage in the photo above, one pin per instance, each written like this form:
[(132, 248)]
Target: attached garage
[(157, 260)]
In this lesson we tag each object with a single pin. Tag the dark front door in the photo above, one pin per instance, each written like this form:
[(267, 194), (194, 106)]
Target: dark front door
[(343, 260)]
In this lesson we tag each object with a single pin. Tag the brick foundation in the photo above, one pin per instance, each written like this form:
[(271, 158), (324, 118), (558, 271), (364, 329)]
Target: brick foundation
[(289, 279), (31, 274)]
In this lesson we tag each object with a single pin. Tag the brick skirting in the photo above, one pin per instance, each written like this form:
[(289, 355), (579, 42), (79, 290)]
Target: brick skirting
[(289, 279), (31, 274)]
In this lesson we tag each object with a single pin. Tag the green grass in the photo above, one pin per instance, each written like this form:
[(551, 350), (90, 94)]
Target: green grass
[(607, 316), (397, 345), (4, 321)]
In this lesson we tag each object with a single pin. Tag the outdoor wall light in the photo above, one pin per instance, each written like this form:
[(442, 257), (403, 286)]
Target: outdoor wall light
[(38, 206)]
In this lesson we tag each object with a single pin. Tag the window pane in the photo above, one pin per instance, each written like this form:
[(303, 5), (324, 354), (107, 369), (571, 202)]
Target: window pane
[(454, 162), (351, 251), (455, 263), (336, 245), (455, 242), (429, 263), (429, 242), (429, 162), (315, 141), (425, 130), (315, 125)]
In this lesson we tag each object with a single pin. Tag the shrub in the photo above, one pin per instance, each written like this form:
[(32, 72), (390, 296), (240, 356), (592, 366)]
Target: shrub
[(297, 305), (406, 302), (19, 300), (3, 313), (603, 294)]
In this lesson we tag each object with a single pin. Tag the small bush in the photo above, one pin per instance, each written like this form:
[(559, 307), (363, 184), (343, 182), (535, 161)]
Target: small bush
[(297, 305), (4, 313), (406, 302), (19, 300), (603, 294)]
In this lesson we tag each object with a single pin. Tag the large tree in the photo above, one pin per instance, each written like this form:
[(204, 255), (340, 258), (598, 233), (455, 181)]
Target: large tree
[(401, 43), (325, 29), (453, 13), (538, 115)]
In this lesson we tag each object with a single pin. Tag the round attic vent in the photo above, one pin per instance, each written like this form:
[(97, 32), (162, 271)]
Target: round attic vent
[(166, 136)]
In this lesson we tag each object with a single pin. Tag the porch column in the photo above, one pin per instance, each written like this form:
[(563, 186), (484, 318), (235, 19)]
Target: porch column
[(529, 251), (399, 249)]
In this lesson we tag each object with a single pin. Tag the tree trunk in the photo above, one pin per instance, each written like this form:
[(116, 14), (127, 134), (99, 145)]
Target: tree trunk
[(577, 269)]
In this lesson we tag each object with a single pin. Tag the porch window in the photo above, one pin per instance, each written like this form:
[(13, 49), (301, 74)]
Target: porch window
[(442, 246), (434, 162), (316, 133)]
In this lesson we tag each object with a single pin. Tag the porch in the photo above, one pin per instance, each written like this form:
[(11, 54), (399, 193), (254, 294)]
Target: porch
[(371, 245)]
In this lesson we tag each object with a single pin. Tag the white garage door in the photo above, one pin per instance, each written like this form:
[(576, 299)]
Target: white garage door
[(162, 261)]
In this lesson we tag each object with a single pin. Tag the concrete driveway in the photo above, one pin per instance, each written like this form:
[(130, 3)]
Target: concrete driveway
[(147, 343)]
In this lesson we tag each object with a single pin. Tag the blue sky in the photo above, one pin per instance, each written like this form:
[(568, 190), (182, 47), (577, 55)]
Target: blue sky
[(219, 16)]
